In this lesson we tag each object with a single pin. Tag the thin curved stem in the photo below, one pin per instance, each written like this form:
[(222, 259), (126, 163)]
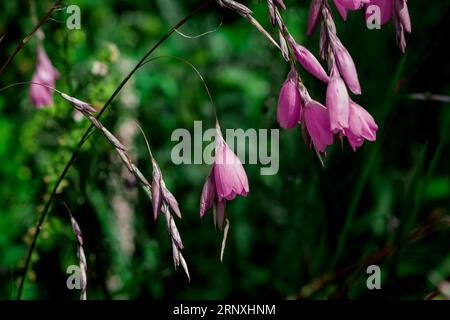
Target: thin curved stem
[(86, 135), (25, 40)]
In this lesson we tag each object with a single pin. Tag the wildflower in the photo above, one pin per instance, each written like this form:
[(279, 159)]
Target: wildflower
[(226, 180), (289, 103), (361, 126), (337, 101), (346, 65), (317, 122), (308, 61), (344, 5), (46, 75)]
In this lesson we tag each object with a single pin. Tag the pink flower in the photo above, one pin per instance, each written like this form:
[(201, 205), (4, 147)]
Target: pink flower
[(226, 180), (45, 74), (40, 96), (229, 174), (337, 101), (346, 65), (317, 121), (308, 61), (361, 126), (341, 9), (289, 103), (343, 5)]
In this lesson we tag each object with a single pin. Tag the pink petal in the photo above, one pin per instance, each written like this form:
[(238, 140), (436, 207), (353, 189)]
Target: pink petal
[(229, 174), (208, 194), (289, 102), (317, 122), (337, 103)]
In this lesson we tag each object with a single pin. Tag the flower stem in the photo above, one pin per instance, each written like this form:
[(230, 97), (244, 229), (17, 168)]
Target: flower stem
[(28, 37), (86, 135)]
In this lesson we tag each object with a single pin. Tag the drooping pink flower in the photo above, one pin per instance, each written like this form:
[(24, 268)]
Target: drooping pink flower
[(226, 180), (40, 96), (229, 174), (289, 102), (313, 16), (346, 65), (317, 122), (386, 9), (361, 126), (341, 9), (344, 5), (44, 74), (337, 101), (308, 61)]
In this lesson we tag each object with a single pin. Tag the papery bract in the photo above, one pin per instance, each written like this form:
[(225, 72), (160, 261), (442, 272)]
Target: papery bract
[(80, 105), (156, 192), (281, 3)]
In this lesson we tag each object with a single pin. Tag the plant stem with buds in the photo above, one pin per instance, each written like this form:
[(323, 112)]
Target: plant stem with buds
[(86, 135), (28, 37)]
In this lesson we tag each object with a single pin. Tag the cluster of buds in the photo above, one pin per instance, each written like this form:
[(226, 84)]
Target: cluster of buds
[(396, 10), (341, 117), (161, 198)]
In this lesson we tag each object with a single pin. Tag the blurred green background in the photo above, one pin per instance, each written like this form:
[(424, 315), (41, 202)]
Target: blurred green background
[(387, 204)]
